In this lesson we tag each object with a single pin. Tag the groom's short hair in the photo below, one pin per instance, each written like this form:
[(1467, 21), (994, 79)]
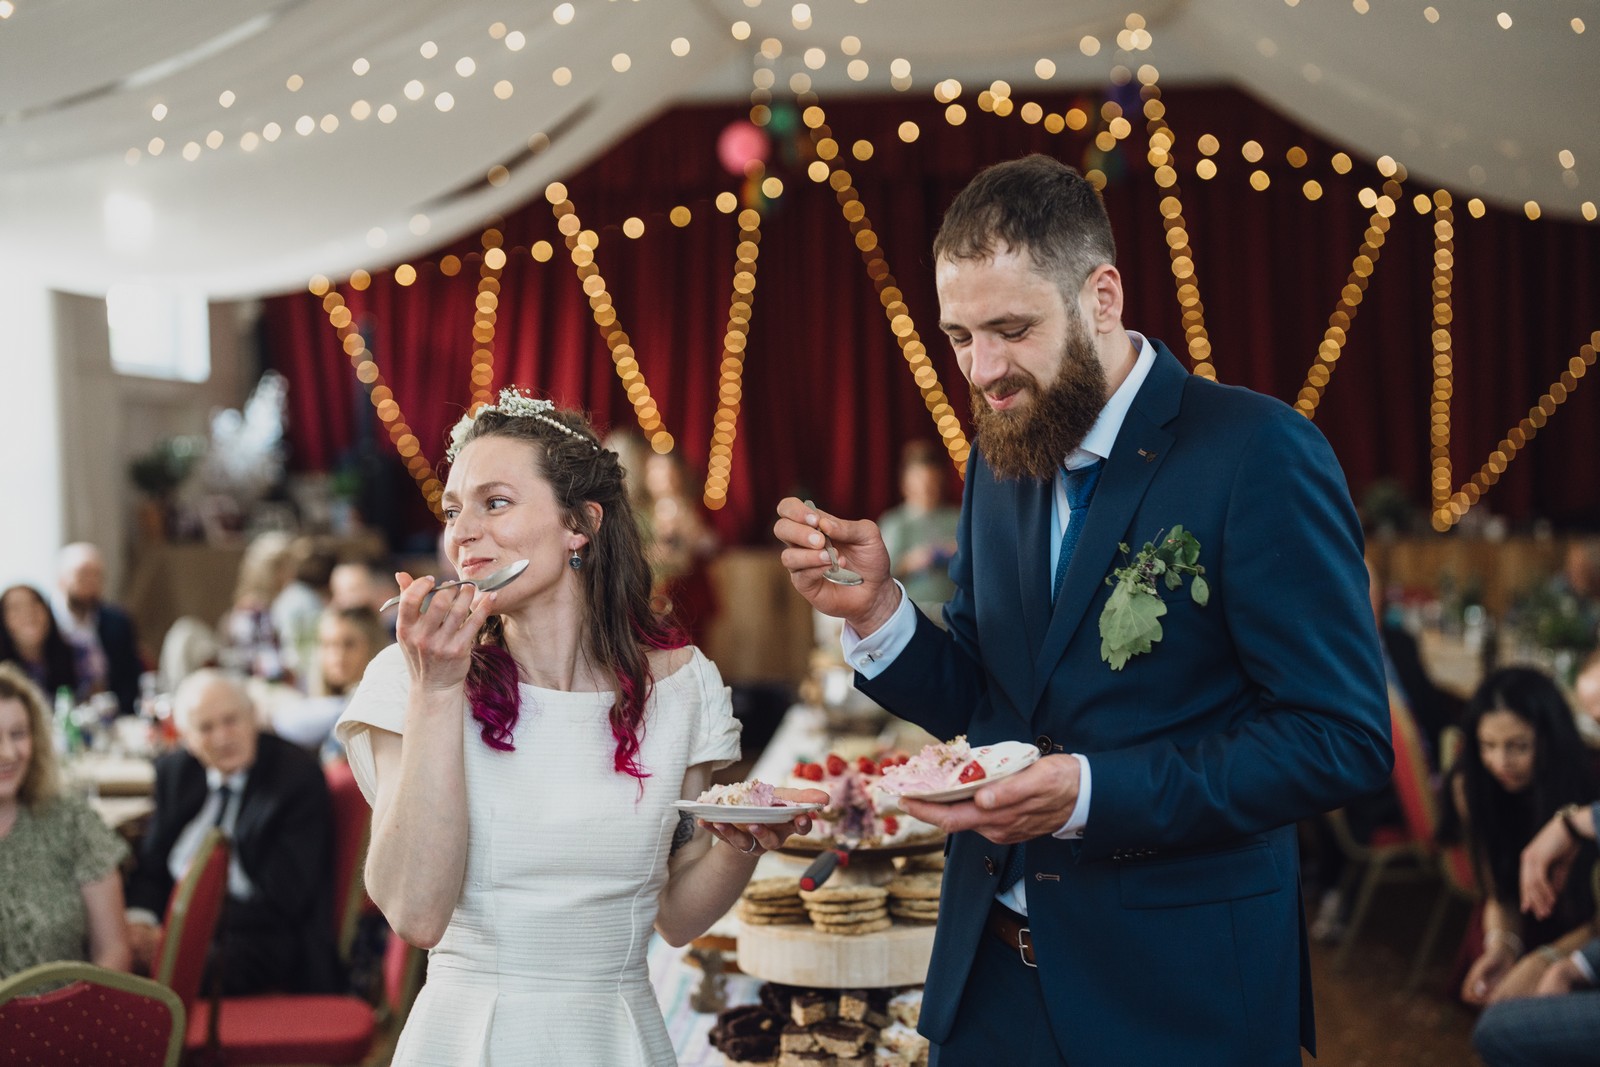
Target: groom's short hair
[(1037, 204)]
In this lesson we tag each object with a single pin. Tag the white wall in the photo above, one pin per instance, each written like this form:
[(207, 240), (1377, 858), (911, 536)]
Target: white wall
[(71, 425), (33, 517)]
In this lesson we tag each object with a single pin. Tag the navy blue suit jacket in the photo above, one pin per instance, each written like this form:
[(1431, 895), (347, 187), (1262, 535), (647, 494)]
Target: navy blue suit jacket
[(1172, 932)]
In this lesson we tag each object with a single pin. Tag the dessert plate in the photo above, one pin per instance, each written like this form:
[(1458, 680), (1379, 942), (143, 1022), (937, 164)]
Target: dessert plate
[(745, 814), (1000, 760)]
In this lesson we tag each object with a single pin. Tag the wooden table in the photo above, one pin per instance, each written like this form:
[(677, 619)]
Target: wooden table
[(112, 776)]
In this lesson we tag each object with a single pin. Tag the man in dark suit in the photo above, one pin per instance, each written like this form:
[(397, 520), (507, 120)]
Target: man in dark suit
[(106, 650), (1133, 896), (271, 799)]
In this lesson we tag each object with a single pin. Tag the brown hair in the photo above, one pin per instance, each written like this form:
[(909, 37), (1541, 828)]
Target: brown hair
[(921, 453), (43, 781), (618, 625), (1034, 204)]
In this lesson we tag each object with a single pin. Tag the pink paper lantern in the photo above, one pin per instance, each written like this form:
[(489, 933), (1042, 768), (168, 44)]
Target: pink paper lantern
[(741, 143)]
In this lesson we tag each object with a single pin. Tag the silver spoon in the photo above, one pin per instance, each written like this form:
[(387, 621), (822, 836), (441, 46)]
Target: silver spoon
[(502, 577), (836, 574)]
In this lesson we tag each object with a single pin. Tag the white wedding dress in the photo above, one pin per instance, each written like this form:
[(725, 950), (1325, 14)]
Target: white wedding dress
[(544, 959)]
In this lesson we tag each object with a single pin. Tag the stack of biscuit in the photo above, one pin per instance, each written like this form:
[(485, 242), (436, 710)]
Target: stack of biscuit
[(915, 896), (772, 902), (921, 861), (851, 910)]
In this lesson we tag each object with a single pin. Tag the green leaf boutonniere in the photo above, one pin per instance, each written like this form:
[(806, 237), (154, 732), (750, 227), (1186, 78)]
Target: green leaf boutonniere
[(1131, 621)]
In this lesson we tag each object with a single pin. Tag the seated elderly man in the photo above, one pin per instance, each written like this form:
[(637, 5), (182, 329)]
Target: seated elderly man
[(271, 799)]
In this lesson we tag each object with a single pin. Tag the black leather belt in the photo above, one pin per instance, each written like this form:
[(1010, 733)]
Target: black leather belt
[(1012, 929)]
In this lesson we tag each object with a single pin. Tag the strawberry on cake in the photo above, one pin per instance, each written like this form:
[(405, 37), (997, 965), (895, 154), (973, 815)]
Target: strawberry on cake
[(937, 767)]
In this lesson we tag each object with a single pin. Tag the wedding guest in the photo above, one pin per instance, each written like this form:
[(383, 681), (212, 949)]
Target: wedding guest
[(682, 545), (1523, 762), (31, 639), (362, 584), (347, 640), (60, 890), (1586, 687), (251, 643), (271, 799), (1559, 1023), (297, 608), (523, 750), (101, 634), (359, 584), (920, 533)]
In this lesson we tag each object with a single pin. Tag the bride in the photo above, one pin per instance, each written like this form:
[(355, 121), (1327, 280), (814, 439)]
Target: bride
[(522, 750)]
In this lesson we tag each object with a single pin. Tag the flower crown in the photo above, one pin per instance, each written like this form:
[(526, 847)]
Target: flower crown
[(516, 404)]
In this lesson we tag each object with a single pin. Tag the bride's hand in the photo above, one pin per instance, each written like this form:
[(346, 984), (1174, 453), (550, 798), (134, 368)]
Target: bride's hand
[(754, 839), (438, 642)]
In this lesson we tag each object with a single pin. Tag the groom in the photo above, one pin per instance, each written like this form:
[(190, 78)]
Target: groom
[(1133, 896)]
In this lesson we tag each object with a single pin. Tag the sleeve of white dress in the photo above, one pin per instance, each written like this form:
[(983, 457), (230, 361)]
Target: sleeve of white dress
[(717, 733), (379, 702)]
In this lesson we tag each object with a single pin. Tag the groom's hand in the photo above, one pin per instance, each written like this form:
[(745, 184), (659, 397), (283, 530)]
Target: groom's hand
[(1035, 802)]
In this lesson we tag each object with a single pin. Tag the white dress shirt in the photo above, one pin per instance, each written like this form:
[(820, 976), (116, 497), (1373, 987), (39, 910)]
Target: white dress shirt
[(871, 655), (188, 841)]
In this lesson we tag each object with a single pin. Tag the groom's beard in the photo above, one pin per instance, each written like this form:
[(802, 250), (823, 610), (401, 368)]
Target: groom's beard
[(1032, 442)]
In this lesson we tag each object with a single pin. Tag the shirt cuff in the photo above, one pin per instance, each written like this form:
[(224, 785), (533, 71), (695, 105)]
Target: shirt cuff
[(1080, 811), (871, 655), (1585, 968), (142, 915)]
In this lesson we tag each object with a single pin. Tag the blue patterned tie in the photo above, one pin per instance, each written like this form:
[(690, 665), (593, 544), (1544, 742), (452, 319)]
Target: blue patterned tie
[(1080, 491)]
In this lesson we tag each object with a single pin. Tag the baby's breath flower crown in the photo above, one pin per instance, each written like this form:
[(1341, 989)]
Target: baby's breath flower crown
[(516, 404)]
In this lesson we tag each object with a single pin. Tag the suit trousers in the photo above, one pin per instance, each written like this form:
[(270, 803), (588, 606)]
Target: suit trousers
[(1002, 1017), (1560, 1031)]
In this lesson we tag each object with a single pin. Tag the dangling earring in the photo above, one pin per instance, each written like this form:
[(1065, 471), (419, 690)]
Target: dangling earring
[(575, 561)]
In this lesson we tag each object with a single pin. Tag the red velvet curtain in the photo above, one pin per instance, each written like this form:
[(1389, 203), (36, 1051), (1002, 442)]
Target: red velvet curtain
[(827, 400)]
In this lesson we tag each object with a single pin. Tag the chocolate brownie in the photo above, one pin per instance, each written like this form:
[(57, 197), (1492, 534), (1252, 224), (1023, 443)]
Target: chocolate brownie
[(843, 1038)]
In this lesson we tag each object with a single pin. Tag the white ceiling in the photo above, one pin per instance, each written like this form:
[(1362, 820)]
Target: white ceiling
[(1461, 101)]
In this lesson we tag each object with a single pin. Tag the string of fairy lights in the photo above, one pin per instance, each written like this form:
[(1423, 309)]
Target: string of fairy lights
[(378, 392), (1444, 251), (890, 297), (1180, 255), (581, 246), (1111, 128), (1337, 335), (730, 387), (483, 317)]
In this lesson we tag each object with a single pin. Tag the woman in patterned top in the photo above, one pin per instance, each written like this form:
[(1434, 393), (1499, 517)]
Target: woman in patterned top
[(60, 889)]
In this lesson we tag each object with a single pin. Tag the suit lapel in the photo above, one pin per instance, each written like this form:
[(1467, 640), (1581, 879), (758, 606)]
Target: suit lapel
[(1141, 447)]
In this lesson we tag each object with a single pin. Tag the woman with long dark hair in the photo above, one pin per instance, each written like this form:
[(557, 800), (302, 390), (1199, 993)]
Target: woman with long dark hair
[(1522, 762), (30, 638), (523, 750)]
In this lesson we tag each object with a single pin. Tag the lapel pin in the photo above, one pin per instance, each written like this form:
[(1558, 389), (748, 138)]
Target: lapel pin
[(1147, 454), (1047, 877)]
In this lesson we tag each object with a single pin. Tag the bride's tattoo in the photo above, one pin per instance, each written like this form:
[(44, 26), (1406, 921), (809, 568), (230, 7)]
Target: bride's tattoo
[(684, 832)]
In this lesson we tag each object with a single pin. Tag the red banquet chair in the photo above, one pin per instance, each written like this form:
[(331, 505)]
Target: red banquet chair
[(352, 830), (302, 1028), (191, 921), (99, 1016), (1460, 881)]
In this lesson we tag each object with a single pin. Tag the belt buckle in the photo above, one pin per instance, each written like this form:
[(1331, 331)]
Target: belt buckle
[(1025, 946)]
